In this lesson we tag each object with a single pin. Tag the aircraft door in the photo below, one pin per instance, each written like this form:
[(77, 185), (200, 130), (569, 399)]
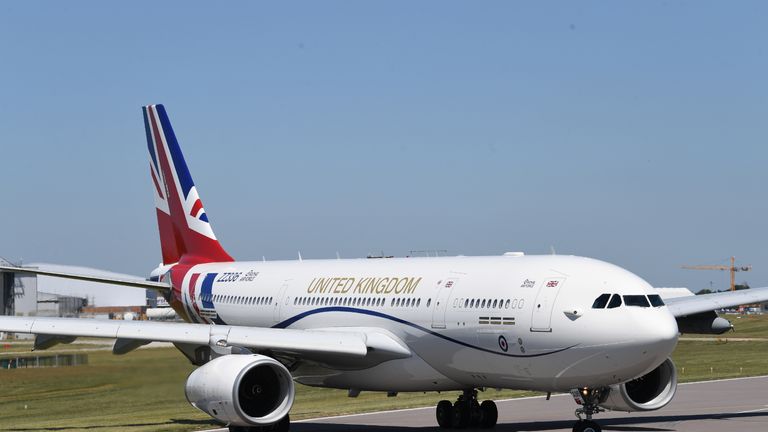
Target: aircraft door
[(541, 320), (280, 300), (441, 302)]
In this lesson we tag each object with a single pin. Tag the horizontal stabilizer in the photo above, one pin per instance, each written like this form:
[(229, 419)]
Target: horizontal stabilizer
[(135, 283)]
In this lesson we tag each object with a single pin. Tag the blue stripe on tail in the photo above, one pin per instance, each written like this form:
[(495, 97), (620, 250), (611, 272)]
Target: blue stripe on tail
[(150, 143), (182, 172)]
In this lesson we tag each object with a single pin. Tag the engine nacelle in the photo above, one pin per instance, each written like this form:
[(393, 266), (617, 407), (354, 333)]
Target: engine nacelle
[(703, 323), (650, 392), (242, 390)]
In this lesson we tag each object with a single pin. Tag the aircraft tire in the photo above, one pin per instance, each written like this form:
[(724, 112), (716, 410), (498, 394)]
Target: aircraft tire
[(461, 415), (489, 414), (284, 425), (444, 414), (586, 426)]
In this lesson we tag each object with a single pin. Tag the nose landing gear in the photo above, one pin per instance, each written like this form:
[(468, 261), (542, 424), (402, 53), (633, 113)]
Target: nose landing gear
[(466, 412), (588, 399)]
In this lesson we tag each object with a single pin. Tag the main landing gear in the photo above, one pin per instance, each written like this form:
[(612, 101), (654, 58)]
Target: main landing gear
[(282, 426), (467, 412), (588, 399)]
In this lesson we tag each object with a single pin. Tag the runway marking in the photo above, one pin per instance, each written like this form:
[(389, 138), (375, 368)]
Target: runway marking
[(724, 380), (754, 410)]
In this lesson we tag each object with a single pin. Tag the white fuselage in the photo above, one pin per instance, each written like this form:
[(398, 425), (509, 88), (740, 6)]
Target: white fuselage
[(523, 322)]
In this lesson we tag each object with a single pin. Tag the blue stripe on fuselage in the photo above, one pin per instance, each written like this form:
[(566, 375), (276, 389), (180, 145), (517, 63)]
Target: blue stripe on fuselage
[(295, 318), (206, 294)]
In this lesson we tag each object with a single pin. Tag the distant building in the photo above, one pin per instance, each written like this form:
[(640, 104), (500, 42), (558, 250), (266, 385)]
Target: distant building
[(30, 295)]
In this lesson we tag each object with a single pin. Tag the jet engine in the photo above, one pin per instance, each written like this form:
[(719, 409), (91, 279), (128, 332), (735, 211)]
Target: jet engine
[(242, 390), (650, 392)]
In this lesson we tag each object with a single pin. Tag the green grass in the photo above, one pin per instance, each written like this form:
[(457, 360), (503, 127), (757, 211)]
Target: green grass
[(716, 359), (141, 391), (144, 390)]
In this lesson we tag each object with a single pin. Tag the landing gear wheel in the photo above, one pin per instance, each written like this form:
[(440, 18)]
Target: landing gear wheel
[(489, 414), (586, 426), (444, 414), (461, 415), (283, 425), (467, 413)]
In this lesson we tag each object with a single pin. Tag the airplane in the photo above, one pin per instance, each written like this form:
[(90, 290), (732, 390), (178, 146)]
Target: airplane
[(546, 323)]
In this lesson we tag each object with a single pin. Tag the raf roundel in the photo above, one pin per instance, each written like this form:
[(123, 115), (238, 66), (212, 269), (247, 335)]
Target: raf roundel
[(503, 343)]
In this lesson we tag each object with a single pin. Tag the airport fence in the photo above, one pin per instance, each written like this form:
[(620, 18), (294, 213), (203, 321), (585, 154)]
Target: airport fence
[(55, 360)]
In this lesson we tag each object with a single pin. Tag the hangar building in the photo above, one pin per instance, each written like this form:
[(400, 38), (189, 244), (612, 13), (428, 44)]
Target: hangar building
[(26, 294)]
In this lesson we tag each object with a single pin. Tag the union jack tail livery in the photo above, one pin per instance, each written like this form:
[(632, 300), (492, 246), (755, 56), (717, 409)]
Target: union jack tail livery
[(186, 235)]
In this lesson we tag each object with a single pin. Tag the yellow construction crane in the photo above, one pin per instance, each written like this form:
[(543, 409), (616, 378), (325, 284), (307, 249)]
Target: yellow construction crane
[(732, 268)]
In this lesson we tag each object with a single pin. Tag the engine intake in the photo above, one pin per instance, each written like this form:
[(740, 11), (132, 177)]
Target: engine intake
[(650, 392), (242, 390)]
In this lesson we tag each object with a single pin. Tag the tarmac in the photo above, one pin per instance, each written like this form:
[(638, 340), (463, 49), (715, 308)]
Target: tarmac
[(732, 405)]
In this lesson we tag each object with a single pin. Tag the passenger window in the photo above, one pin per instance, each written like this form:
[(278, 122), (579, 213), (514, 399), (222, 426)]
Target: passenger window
[(656, 300), (601, 301), (495, 302), (615, 301), (636, 300)]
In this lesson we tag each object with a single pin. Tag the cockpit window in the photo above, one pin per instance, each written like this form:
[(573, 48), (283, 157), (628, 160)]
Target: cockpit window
[(601, 301), (656, 300), (615, 301), (636, 300)]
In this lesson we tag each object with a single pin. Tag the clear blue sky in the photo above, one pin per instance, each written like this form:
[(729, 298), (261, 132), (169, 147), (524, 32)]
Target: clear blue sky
[(633, 132)]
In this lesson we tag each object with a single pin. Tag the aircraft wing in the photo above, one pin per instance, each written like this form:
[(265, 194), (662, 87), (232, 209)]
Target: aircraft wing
[(349, 347), (694, 304), (136, 283)]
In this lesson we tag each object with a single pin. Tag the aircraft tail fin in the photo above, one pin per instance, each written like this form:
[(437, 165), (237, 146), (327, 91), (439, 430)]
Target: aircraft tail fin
[(186, 235)]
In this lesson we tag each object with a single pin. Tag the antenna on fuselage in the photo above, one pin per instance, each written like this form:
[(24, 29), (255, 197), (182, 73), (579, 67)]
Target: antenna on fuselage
[(300, 256), (552, 250), (338, 257)]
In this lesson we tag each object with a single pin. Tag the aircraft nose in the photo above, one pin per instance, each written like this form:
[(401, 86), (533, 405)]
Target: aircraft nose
[(659, 333)]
